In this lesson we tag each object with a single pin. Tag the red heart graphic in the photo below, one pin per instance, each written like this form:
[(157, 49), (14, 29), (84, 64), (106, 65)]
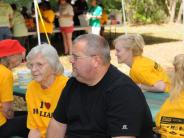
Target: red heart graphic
[(47, 105)]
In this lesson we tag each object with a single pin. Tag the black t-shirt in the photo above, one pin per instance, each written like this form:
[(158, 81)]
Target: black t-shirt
[(113, 107)]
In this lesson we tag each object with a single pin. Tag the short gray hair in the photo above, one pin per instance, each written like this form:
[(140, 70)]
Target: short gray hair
[(51, 55), (95, 45)]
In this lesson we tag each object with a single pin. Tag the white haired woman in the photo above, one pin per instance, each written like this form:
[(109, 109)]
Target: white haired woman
[(145, 72), (44, 91), (170, 119), (11, 55)]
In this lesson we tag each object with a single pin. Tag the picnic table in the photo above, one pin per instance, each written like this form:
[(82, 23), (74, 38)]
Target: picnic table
[(155, 101), (57, 30)]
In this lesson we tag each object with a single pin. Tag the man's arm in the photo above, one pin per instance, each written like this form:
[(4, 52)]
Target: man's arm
[(56, 129)]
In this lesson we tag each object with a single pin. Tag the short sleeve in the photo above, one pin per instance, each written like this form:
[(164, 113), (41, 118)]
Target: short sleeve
[(125, 111), (144, 77), (6, 93), (70, 9), (98, 11), (30, 121), (60, 113), (10, 11), (50, 16)]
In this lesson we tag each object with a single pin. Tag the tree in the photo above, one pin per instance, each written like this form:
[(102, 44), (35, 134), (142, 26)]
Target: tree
[(179, 17)]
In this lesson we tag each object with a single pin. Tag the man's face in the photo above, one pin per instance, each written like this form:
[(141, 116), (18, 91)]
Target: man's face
[(82, 64)]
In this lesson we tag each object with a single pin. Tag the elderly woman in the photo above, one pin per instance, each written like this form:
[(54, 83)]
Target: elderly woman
[(148, 74), (171, 115), (44, 91), (11, 55)]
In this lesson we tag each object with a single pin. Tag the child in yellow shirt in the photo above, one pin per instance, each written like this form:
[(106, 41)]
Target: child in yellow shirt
[(170, 119)]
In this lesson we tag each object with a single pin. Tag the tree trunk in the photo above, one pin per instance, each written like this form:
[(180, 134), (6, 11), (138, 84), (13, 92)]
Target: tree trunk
[(180, 13), (172, 10)]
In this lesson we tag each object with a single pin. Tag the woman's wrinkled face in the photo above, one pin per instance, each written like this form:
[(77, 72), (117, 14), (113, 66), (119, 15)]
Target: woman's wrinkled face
[(41, 70), (122, 53)]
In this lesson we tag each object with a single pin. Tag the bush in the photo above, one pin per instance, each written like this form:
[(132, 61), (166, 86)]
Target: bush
[(145, 11)]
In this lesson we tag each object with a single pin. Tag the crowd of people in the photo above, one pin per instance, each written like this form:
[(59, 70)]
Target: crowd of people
[(17, 22), (98, 100)]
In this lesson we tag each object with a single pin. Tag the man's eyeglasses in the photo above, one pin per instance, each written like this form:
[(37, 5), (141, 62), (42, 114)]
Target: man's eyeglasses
[(76, 57)]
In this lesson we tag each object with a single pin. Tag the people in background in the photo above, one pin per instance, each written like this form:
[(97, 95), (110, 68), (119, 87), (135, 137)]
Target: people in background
[(94, 14), (80, 7), (103, 20), (11, 55), (66, 23), (145, 72), (29, 21), (169, 121), (6, 14), (48, 17), (99, 101), (20, 31), (44, 91)]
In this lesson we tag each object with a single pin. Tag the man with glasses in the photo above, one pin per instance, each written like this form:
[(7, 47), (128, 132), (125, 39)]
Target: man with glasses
[(99, 101)]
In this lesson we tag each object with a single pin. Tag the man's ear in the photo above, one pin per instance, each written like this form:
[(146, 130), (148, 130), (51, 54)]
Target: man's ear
[(97, 60)]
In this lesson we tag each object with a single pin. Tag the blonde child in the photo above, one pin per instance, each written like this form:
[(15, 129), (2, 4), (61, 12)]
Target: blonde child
[(170, 119)]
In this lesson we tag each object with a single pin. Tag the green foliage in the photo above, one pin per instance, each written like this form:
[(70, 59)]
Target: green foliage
[(146, 11), (137, 11), (19, 3), (110, 5)]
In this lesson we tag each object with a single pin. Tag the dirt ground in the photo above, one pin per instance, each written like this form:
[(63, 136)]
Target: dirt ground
[(163, 43)]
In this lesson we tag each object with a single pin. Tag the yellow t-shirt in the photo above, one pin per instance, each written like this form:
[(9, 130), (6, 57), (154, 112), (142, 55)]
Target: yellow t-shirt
[(5, 12), (41, 103), (148, 72), (49, 26), (170, 119), (6, 89)]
